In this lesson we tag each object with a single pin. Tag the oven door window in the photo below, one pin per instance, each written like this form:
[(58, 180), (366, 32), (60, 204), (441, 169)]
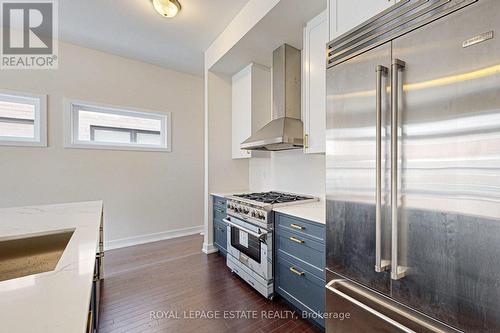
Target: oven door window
[(246, 243)]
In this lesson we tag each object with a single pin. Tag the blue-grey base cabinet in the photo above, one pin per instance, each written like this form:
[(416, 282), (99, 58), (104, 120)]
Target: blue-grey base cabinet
[(300, 264), (220, 227)]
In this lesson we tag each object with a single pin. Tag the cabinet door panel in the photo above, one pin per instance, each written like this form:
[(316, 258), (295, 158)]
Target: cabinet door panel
[(316, 37), (241, 111), (449, 162), (351, 169)]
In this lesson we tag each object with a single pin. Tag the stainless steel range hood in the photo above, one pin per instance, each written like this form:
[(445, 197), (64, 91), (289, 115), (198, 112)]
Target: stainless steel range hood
[(286, 130)]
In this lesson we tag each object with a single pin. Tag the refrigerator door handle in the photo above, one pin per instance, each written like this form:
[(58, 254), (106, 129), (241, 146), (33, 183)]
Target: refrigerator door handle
[(397, 272), (331, 287), (381, 265)]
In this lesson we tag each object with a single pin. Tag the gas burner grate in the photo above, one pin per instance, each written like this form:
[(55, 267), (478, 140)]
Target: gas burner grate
[(272, 197)]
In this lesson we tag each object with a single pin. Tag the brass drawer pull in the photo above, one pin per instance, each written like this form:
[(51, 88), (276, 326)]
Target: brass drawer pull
[(296, 240), (296, 226), (296, 271)]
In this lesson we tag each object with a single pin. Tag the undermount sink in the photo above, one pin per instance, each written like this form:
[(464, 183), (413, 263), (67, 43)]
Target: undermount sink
[(32, 255)]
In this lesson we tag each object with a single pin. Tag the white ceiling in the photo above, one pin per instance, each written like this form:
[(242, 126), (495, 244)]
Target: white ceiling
[(132, 28), (283, 24)]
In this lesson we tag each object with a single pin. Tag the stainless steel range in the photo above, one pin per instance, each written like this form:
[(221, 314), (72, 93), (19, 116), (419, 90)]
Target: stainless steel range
[(250, 235)]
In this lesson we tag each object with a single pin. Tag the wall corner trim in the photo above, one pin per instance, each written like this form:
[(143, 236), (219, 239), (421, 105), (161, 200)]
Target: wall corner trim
[(209, 248)]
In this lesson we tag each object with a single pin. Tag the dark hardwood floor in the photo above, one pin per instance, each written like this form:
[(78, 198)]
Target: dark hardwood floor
[(144, 284)]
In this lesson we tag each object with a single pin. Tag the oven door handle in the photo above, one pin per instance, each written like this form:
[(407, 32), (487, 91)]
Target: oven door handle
[(248, 231)]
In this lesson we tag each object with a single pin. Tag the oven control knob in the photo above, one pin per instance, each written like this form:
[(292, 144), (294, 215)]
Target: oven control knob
[(253, 213), (245, 210), (240, 209), (261, 216)]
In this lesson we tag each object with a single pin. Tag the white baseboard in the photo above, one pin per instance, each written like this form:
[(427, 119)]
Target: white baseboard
[(142, 239), (209, 248)]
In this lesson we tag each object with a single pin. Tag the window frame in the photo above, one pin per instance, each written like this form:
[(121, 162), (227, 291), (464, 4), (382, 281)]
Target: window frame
[(40, 121), (71, 126)]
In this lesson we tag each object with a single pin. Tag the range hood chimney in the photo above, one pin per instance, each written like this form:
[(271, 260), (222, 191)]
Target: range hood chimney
[(286, 130)]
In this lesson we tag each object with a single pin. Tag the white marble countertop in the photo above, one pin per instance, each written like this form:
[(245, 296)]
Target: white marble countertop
[(56, 301), (313, 211), (225, 194)]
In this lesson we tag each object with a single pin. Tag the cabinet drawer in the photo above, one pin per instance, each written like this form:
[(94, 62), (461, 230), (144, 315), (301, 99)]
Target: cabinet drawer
[(301, 227), (219, 214), (301, 288), (220, 202), (220, 235), (305, 249)]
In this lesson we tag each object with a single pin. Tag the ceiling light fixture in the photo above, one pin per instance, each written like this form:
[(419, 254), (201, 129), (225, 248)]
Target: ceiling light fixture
[(167, 8)]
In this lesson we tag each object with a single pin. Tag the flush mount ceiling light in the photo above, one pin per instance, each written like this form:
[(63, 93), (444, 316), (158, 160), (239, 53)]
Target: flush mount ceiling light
[(167, 8)]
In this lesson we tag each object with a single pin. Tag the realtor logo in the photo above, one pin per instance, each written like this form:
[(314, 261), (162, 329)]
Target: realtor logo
[(29, 34)]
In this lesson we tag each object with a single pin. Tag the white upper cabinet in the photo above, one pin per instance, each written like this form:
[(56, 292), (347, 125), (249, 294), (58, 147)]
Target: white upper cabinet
[(314, 83), (251, 105), (347, 14), (241, 120)]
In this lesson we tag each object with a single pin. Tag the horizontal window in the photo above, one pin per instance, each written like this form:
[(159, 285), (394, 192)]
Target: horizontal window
[(23, 119), (102, 127)]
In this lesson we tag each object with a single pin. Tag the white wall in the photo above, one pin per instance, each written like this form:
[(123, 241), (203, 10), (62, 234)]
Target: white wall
[(220, 171), (223, 174), (289, 171), (245, 20), (144, 192)]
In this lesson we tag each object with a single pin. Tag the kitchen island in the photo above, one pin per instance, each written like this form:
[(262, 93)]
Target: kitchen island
[(58, 300)]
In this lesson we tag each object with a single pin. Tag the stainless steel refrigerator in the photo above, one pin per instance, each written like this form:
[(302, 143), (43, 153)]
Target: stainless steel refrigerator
[(413, 170)]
